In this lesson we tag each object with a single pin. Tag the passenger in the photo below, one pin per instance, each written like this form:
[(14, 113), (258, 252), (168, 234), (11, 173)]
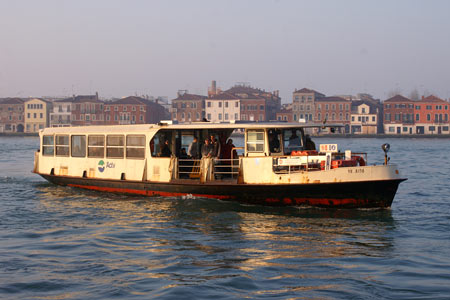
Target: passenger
[(207, 149), (294, 140), (193, 149), (228, 151), (183, 154), (274, 143), (165, 150), (216, 149), (309, 144)]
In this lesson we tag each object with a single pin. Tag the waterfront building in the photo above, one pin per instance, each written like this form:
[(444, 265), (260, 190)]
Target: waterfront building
[(36, 114), (188, 107), (431, 116), (11, 115), (61, 114), (364, 117), (303, 101), (86, 110), (285, 113), (256, 104), (133, 110), (398, 115), (334, 110), (223, 107)]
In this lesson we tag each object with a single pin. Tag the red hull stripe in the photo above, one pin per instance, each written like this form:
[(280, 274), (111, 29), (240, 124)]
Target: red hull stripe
[(331, 202), (145, 193)]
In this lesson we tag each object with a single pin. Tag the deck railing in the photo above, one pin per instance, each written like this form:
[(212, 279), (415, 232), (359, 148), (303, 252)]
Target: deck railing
[(316, 162), (223, 168)]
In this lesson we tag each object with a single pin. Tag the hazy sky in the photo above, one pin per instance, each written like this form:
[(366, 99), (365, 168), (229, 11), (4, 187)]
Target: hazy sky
[(120, 48)]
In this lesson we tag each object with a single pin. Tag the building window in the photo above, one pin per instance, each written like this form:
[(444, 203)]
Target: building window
[(133, 109), (236, 104), (417, 117), (405, 129), (209, 117), (220, 104), (428, 117), (261, 107), (209, 103), (141, 118), (373, 118), (226, 103), (226, 117), (220, 116), (116, 108), (391, 129), (197, 116), (236, 117)]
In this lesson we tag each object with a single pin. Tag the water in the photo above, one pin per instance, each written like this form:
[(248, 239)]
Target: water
[(65, 243)]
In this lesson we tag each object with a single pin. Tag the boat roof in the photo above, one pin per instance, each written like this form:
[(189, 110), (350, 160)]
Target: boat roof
[(185, 126)]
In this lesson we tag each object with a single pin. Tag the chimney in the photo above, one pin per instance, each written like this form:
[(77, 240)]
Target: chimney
[(213, 89)]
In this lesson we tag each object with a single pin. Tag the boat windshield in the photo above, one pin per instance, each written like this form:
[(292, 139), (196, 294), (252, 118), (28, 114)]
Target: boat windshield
[(292, 140)]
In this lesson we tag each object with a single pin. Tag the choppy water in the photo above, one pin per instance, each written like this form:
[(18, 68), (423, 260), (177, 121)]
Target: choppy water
[(65, 243)]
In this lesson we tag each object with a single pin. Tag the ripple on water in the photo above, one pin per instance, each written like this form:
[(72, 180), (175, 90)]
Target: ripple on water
[(65, 243)]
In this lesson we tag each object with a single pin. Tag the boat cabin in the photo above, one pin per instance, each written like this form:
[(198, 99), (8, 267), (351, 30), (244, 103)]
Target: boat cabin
[(203, 152)]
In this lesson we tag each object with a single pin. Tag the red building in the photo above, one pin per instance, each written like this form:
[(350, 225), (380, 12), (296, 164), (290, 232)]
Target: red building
[(12, 115), (86, 110), (398, 115), (188, 107), (256, 104), (133, 110), (431, 115), (285, 114), (335, 110)]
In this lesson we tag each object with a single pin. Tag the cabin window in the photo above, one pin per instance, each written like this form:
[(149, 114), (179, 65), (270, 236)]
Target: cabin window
[(114, 146), (255, 140), (78, 146), (292, 140), (62, 145), (161, 144), (48, 145), (96, 146), (135, 146)]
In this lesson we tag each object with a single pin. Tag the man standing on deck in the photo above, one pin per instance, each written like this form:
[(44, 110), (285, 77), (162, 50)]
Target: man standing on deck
[(207, 149), (193, 149)]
